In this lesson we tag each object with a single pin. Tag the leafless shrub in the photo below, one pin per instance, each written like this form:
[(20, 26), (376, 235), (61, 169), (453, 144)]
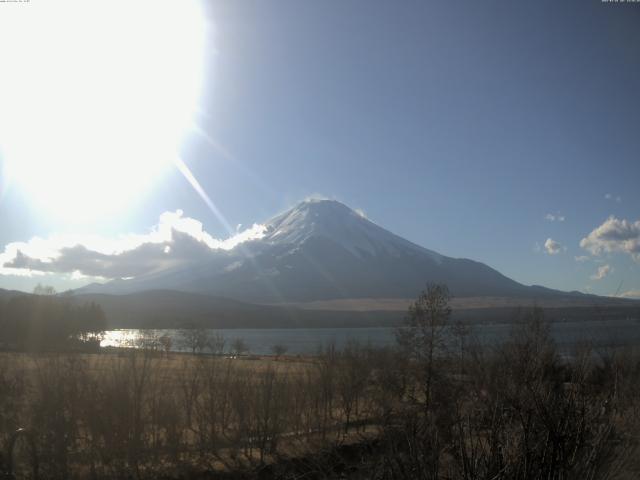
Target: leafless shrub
[(352, 376), (239, 346), (279, 350), (12, 389), (271, 397), (55, 410)]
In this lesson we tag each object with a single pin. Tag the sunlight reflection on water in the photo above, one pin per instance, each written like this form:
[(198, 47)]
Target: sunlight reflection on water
[(304, 341)]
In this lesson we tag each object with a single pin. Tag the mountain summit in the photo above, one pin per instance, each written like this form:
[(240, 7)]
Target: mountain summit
[(321, 250), (330, 219)]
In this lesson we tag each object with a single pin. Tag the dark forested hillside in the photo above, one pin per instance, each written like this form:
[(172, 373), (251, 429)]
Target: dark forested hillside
[(37, 322)]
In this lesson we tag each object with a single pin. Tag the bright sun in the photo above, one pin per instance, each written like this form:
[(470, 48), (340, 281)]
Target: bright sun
[(95, 97)]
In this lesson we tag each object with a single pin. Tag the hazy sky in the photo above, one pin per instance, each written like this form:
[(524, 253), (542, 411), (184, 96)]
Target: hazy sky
[(506, 132)]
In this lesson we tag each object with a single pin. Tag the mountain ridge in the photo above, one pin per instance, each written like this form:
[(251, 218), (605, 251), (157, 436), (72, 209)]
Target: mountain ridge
[(322, 250), (158, 309)]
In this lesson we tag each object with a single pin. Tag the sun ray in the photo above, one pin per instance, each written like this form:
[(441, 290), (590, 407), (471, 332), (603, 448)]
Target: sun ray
[(229, 157), (193, 181), (195, 184)]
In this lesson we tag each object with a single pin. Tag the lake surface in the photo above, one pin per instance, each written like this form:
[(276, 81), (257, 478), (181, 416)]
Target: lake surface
[(303, 341)]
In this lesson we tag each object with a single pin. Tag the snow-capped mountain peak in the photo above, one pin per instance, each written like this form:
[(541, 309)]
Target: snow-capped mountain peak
[(332, 220)]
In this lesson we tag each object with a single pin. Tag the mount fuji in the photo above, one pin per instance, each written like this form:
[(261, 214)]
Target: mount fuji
[(323, 250)]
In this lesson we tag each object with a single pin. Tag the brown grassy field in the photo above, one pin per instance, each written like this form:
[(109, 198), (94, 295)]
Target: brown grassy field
[(149, 412), (516, 411), (401, 305)]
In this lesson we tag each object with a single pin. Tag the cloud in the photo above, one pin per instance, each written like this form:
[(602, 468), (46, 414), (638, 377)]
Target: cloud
[(616, 198), (581, 258), (361, 212), (614, 235), (602, 272), (551, 217), (175, 241), (317, 197), (630, 294), (552, 247)]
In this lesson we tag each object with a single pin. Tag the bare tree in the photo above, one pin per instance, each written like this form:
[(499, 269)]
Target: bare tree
[(352, 375), (239, 346), (217, 344), (197, 340), (279, 350), (45, 290), (165, 343), (461, 332), (423, 335), (270, 399)]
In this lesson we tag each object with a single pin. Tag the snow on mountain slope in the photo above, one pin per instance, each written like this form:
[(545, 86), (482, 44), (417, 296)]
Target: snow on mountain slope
[(345, 227)]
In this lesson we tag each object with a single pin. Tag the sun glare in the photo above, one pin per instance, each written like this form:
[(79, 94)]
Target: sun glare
[(95, 97)]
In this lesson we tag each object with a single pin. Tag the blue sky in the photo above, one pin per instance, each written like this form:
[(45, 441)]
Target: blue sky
[(459, 125)]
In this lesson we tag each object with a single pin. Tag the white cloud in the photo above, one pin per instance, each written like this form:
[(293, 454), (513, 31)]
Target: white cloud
[(552, 247), (361, 212), (176, 240), (616, 198), (554, 217), (581, 258), (631, 294), (602, 272), (614, 235), (317, 197), (78, 275)]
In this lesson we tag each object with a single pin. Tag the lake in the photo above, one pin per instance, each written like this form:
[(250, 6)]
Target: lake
[(304, 341)]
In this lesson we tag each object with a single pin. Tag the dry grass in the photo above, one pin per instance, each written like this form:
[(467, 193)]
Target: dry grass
[(486, 413), (142, 413), (460, 303)]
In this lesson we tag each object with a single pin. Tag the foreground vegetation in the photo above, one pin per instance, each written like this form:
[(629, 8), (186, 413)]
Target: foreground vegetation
[(438, 406)]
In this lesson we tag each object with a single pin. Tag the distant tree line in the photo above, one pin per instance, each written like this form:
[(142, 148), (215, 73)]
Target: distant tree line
[(44, 320)]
